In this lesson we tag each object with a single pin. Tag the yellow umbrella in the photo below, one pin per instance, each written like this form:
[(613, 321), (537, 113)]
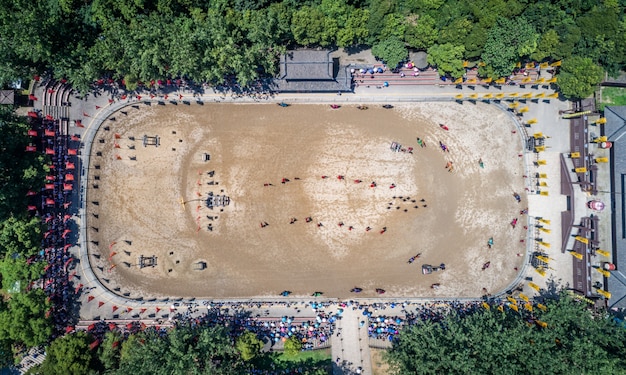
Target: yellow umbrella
[(603, 253), (531, 121), (465, 64), (544, 244), (528, 95), (553, 80), (606, 294), (524, 109), (487, 96), (541, 307), (543, 259), (604, 138), (501, 81), (545, 194), (486, 305), (474, 96), (481, 64), (499, 96), (540, 80), (524, 297), (541, 271), (576, 255), (513, 95), (574, 155), (540, 95), (541, 324), (527, 80), (534, 286), (500, 308), (604, 273), (530, 65), (543, 183), (459, 80), (544, 65), (459, 96), (580, 170), (518, 65), (540, 148), (512, 300), (487, 80), (582, 239), (541, 162), (554, 95), (471, 81), (544, 175), (514, 105), (545, 221), (601, 120), (602, 160), (514, 307), (528, 306), (556, 63), (545, 230)]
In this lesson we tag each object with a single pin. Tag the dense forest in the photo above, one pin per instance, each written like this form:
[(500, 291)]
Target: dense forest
[(210, 41)]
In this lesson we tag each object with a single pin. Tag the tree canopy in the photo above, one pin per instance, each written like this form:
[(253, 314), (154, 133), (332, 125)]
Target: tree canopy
[(140, 41), (508, 342), (579, 77)]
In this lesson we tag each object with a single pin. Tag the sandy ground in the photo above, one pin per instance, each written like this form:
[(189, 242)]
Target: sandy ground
[(136, 208)]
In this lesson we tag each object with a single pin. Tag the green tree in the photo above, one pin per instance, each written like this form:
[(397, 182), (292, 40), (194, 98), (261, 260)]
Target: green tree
[(292, 346), (248, 345), (579, 77), (547, 47), (311, 27), (509, 41), (422, 34), (20, 236), (494, 342), (392, 51), (23, 319), (109, 351), (354, 31), (448, 58), (68, 354)]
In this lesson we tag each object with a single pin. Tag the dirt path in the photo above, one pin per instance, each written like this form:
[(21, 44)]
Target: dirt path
[(138, 211)]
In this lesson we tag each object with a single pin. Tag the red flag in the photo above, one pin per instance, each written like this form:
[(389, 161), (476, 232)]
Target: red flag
[(90, 298), (49, 151), (31, 148), (98, 107), (91, 327), (49, 201), (114, 308), (143, 310), (111, 101), (49, 133), (32, 208), (117, 136), (112, 326), (49, 186), (75, 137), (85, 114), (32, 133), (138, 97), (69, 177), (30, 193), (50, 177), (49, 118), (32, 97), (123, 97), (67, 187), (94, 344), (166, 96), (129, 309), (113, 253), (158, 309), (69, 329), (71, 151), (151, 96), (100, 304), (69, 165), (180, 96)]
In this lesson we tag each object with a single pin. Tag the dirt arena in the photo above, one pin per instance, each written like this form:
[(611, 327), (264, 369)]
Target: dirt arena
[(152, 201)]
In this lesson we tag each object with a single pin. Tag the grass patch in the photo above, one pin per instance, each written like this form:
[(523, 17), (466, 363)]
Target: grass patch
[(309, 362), (612, 96)]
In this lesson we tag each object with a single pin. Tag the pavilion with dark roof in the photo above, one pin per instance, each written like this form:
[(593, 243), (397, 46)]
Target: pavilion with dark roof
[(312, 71)]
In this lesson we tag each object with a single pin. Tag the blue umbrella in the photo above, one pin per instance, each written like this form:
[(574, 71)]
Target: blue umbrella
[(371, 71), (379, 70), (386, 84)]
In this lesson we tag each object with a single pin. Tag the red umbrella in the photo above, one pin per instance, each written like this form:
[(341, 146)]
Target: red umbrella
[(94, 344), (49, 151), (91, 327), (71, 151), (112, 326), (129, 325), (69, 329)]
